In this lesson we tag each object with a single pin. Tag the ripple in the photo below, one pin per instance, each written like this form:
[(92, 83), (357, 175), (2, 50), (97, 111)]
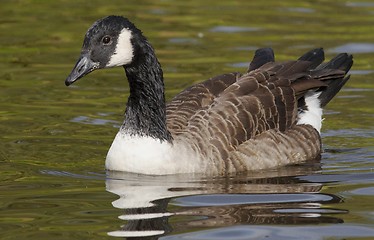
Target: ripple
[(245, 48), (360, 4), (354, 48), (310, 210), (274, 232), (361, 72), (368, 191), (89, 175), (353, 132), (148, 233), (239, 199), (233, 29), (142, 216), (181, 40), (158, 11), (341, 178), (239, 65), (298, 9), (93, 121)]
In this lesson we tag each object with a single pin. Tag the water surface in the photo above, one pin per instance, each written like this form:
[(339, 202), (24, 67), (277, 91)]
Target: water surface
[(54, 139)]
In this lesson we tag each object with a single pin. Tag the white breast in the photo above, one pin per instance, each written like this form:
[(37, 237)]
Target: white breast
[(148, 155)]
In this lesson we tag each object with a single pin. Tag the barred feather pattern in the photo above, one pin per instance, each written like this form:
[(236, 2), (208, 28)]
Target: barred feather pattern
[(247, 122)]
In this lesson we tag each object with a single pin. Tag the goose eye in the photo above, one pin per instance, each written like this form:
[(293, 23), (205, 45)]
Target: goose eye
[(106, 40)]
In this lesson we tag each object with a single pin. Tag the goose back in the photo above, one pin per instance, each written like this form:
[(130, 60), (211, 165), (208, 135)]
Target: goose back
[(250, 121)]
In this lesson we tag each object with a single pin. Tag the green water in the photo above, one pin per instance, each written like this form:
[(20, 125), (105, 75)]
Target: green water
[(53, 139)]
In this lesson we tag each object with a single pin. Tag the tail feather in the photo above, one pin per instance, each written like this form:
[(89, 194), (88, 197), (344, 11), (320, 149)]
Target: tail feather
[(262, 56), (324, 82), (331, 90), (315, 56), (342, 62)]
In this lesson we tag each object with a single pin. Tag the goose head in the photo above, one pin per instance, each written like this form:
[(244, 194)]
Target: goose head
[(109, 42)]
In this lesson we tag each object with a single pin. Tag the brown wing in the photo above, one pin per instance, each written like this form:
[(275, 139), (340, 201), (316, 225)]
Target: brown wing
[(258, 101), (200, 96), (225, 117), (197, 97)]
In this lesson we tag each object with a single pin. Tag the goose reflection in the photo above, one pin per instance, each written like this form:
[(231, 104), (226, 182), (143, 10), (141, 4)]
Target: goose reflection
[(191, 201)]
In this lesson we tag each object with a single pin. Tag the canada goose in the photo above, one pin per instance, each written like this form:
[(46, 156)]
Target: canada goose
[(267, 117)]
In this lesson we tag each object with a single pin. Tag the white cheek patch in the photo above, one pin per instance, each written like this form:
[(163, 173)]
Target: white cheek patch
[(124, 52)]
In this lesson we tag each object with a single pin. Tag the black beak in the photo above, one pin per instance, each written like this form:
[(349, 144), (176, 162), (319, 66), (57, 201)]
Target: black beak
[(83, 67)]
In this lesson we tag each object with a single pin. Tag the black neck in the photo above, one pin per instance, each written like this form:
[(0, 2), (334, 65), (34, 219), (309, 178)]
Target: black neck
[(146, 109)]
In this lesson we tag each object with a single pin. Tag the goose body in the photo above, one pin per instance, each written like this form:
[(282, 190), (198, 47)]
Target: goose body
[(268, 117)]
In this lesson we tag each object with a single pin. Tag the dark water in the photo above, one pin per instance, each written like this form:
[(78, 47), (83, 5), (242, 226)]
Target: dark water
[(53, 139)]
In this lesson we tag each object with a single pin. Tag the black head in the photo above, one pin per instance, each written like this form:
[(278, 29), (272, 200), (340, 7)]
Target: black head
[(107, 43)]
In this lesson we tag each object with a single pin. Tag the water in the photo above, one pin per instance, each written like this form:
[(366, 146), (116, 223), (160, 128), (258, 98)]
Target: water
[(54, 139)]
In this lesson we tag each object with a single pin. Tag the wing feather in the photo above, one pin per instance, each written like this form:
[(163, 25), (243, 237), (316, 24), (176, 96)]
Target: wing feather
[(200, 96), (230, 116)]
